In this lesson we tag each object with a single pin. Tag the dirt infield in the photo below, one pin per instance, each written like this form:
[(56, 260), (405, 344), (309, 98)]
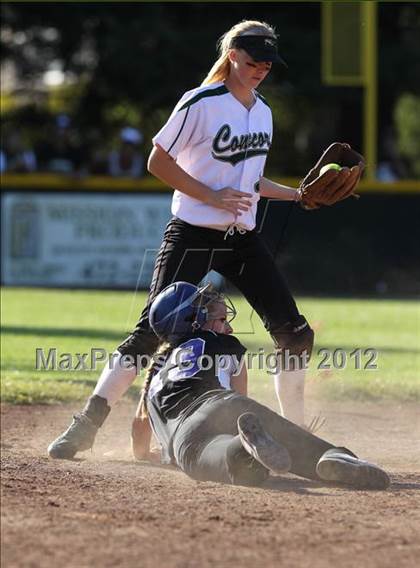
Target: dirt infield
[(107, 510)]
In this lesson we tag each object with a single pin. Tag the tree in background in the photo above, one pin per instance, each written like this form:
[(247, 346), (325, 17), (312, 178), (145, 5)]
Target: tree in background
[(407, 113), (129, 63)]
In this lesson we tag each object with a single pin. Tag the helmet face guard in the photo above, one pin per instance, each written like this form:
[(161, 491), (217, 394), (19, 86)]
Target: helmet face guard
[(182, 308), (213, 296)]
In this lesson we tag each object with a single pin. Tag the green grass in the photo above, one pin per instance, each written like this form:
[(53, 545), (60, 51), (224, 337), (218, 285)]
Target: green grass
[(76, 321)]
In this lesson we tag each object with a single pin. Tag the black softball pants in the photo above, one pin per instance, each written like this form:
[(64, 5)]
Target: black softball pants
[(188, 253), (206, 445)]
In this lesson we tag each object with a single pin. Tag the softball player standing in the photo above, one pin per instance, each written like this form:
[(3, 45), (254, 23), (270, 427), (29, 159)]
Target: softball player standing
[(212, 151)]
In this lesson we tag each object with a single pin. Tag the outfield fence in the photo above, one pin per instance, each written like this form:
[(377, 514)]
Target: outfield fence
[(98, 232)]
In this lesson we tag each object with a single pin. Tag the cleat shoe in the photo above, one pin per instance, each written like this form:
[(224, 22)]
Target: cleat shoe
[(338, 466), (261, 446), (81, 433), (78, 437)]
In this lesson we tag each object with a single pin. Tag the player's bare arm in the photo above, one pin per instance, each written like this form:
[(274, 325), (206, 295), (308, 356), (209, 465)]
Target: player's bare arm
[(273, 190), (239, 382), (141, 435), (164, 167)]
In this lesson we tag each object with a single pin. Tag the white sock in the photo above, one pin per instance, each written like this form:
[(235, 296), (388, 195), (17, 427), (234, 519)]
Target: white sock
[(290, 387), (114, 382)]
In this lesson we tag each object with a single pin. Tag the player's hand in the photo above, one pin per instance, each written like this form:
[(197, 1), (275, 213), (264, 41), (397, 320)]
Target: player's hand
[(231, 200), (141, 434)]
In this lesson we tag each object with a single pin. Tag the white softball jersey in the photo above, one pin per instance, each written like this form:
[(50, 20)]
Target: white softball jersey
[(219, 142)]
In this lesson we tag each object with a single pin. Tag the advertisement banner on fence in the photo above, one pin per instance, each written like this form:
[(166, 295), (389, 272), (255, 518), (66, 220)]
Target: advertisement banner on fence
[(80, 239)]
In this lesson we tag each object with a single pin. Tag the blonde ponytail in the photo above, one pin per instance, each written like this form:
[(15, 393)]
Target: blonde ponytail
[(221, 69), (158, 360)]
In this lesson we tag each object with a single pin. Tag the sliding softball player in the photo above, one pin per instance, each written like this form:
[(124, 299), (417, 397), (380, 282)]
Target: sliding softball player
[(207, 428)]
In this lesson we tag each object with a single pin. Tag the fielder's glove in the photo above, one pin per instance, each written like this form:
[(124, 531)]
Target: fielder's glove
[(332, 186)]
